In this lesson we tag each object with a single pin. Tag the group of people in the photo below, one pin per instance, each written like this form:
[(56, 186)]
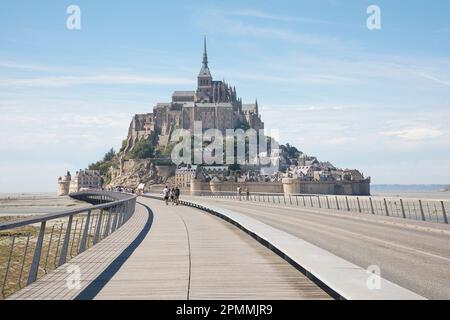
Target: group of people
[(247, 193), (172, 195)]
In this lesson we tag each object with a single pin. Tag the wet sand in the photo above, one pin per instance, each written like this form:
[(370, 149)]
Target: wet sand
[(25, 204), (415, 195)]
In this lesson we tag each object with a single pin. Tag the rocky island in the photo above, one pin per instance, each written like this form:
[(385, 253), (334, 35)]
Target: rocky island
[(145, 157)]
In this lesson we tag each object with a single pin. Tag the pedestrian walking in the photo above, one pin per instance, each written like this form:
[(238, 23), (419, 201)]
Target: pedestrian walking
[(166, 194), (172, 196), (177, 195)]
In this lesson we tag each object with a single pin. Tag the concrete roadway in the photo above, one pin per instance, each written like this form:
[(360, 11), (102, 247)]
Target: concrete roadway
[(412, 254)]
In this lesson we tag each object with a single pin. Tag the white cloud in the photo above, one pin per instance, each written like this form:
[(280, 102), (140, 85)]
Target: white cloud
[(415, 133), (61, 130), (435, 79), (226, 22), (342, 140), (260, 14), (268, 16), (112, 79)]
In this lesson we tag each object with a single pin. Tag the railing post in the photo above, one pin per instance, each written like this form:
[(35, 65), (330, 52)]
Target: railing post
[(386, 207), (5, 279), (57, 244), (23, 261), (123, 215), (346, 201), (359, 204), (73, 241), (79, 236), (85, 233), (444, 214), (371, 206), (124, 211), (337, 203), (34, 268), (48, 249), (311, 202), (108, 225), (65, 247), (120, 216), (328, 202), (318, 200), (98, 227), (421, 210), (403, 208)]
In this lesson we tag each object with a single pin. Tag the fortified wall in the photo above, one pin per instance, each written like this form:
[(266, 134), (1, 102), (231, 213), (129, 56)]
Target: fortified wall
[(286, 186), (297, 186)]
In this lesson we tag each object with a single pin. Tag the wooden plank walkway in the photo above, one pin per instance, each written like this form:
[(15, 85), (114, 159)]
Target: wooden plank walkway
[(93, 264), (177, 252)]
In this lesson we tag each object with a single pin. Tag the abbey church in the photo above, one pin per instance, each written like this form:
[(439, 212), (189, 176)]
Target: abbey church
[(214, 103)]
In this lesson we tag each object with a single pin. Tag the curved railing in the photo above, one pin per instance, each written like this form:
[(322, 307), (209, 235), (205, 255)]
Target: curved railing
[(430, 210), (407, 208), (32, 247)]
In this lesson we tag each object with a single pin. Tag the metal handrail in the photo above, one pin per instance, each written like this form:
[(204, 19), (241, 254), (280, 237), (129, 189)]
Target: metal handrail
[(114, 210), (430, 210), (61, 214)]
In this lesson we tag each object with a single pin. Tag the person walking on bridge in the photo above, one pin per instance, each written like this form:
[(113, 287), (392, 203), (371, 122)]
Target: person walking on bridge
[(176, 193), (172, 196), (166, 192)]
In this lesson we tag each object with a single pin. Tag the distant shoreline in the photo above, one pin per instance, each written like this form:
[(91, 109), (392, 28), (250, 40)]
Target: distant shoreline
[(26, 204), (404, 188), (28, 194)]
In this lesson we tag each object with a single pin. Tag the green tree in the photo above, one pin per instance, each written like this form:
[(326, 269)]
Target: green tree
[(124, 145), (291, 151), (109, 155), (142, 150), (100, 166)]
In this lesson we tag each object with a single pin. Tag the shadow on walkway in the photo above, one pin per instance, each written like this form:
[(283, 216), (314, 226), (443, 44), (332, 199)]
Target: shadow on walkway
[(91, 291)]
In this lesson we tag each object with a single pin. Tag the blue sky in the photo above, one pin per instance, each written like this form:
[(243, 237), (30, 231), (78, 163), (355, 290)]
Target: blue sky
[(374, 100)]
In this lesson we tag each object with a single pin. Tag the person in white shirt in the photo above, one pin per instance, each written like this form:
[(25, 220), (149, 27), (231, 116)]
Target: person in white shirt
[(166, 194)]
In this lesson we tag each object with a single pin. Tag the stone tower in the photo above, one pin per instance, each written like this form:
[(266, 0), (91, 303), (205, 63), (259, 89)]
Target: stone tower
[(64, 184), (302, 160), (204, 79)]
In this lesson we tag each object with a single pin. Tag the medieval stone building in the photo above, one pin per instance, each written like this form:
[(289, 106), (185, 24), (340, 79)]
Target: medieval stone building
[(214, 103), (83, 180)]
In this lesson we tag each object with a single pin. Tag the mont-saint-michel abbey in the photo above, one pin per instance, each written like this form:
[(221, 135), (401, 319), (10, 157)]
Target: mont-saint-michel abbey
[(144, 160), (214, 103)]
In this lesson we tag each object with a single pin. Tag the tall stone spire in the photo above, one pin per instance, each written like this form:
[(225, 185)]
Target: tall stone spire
[(205, 54), (204, 79), (204, 72)]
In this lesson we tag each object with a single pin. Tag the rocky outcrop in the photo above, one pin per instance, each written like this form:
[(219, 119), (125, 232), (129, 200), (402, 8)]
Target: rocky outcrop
[(131, 173)]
